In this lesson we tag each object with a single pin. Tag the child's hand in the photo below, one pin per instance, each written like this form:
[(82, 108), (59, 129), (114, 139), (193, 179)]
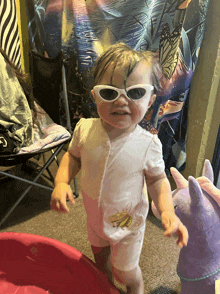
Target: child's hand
[(173, 225), (61, 192)]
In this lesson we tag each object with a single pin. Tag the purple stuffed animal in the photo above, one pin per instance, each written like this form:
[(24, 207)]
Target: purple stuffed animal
[(197, 204)]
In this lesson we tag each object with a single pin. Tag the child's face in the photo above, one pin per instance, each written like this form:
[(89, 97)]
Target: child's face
[(123, 113)]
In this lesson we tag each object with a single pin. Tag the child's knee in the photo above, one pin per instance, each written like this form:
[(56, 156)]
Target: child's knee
[(129, 278)]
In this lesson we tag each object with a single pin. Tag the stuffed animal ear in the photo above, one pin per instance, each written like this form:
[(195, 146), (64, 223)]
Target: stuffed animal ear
[(180, 181), (195, 192), (208, 187), (208, 171)]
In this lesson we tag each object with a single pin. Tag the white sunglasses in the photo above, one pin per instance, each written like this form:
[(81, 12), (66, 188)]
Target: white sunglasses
[(110, 94)]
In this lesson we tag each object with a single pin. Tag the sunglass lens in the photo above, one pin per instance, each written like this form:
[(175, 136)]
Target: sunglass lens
[(108, 94), (136, 93)]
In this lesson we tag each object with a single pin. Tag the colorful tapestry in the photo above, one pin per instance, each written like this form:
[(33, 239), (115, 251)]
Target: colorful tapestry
[(83, 29)]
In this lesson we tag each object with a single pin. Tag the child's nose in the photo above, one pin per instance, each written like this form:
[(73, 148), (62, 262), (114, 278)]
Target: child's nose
[(122, 100)]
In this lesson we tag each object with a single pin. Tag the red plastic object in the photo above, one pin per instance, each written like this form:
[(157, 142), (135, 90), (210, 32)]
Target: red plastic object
[(31, 264)]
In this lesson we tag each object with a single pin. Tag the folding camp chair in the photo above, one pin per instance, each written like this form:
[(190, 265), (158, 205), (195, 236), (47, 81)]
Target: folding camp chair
[(48, 76)]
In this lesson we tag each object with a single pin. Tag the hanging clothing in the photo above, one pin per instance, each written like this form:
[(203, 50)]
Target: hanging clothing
[(15, 114)]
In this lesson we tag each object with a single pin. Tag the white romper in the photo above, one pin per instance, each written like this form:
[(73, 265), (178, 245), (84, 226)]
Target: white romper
[(112, 181)]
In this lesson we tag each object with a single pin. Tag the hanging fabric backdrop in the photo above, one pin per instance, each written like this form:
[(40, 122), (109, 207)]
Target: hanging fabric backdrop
[(83, 29)]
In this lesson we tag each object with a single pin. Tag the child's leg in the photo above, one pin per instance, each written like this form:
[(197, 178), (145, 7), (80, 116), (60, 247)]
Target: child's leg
[(102, 259), (125, 256), (132, 279)]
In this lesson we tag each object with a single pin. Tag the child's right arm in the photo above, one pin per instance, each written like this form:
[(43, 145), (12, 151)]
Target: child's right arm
[(68, 169)]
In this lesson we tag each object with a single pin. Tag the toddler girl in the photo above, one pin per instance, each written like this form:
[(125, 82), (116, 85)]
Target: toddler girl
[(117, 157)]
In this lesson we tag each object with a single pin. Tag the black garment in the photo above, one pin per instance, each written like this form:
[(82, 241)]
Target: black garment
[(7, 144)]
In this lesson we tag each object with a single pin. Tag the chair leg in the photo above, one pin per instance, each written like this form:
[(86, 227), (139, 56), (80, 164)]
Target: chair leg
[(76, 194), (50, 174), (25, 181), (75, 188), (48, 170), (66, 103), (15, 205), (32, 183), (56, 159)]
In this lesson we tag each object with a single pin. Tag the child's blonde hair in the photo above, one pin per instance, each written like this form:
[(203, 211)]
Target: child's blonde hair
[(127, 58)]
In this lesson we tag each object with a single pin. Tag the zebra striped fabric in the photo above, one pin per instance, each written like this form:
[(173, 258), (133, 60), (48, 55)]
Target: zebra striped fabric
[(9, 34)]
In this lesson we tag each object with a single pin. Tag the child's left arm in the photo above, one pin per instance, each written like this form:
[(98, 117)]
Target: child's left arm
[(160, 193)]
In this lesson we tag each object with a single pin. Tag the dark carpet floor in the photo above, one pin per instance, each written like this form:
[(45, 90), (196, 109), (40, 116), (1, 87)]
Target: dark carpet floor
[(33, 215)]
